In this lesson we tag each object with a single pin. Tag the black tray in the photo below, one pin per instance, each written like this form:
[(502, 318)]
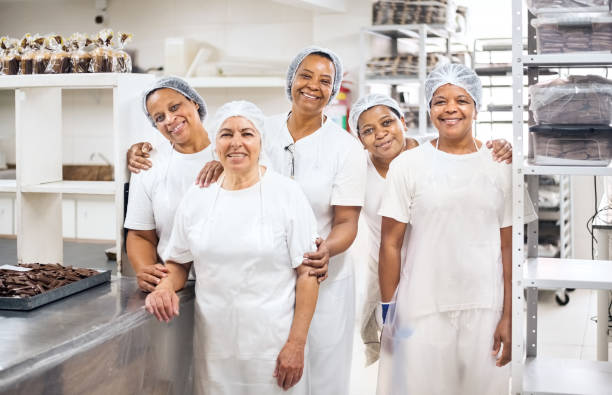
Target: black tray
[(32, 302), (568, 129)]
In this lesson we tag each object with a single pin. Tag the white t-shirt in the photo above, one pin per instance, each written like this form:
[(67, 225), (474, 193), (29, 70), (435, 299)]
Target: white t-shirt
[(156, 193), (456, 205), (329, 165)]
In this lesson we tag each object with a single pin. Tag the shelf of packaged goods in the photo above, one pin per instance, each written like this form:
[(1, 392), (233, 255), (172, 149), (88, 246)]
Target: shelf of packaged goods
[(68, 81), (236, 82), (566, 376), (408, 31), (73, 187), (568, 273), (529, 169), (8, 186), (566, 10), (578, 59)]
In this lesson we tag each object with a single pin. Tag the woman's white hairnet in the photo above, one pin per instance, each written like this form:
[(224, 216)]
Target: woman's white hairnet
[(295, 63), (455, 74), (240, 108), (179, 85), (364, 103)]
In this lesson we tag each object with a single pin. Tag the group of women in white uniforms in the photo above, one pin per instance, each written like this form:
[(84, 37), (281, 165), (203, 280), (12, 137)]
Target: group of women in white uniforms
[(224, 237)]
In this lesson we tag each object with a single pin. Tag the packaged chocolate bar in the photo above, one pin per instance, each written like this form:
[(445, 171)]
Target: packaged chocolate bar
[(80, 59), (42, 55), (26, 63), (10, 57), (100, 56), (120, 61), (59, 61), (3, 50)]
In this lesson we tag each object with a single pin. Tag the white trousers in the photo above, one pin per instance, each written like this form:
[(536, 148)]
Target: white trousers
[(443, 353), (330, 339)]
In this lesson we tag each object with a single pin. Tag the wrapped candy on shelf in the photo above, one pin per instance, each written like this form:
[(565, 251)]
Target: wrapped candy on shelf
[(120, 61), (59, 61), (43, 55), (80, 59), (10, 57), (26, 63), (100, 56)]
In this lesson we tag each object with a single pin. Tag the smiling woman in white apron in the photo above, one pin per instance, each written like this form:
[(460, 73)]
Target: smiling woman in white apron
[(177, 111), (246, 236), (448, 307)]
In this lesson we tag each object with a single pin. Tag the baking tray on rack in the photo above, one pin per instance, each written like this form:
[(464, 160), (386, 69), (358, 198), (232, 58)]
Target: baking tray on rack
[(32, 302)]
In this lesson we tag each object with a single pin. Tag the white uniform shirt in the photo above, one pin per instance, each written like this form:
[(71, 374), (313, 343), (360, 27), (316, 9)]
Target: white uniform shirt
[(156, 193), (456, 205), (330, 166), (245, 245)]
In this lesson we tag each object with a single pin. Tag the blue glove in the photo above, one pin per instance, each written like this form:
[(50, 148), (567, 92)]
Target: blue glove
[(385, 309), (382, 310)]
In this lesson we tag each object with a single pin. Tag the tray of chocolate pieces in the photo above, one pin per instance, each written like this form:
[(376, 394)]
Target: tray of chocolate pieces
[(27, 286)]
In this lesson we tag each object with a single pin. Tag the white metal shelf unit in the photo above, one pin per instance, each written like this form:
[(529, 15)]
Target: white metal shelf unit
[(532, 374), (39, 186), (422, 33)]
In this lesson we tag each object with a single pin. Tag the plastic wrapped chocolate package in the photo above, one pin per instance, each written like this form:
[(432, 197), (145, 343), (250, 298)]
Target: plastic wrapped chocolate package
[(571, 145), (573, 33), (59, 59), (405, 12), (572, 100), (80, 59), (538, 7), (51, 54)]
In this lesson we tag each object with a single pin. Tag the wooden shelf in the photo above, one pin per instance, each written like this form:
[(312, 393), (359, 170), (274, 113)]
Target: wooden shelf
[(73, 187)]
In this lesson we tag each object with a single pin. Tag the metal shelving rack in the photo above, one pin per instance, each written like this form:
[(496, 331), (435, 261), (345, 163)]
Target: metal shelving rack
[(532, 374), (422, 33)]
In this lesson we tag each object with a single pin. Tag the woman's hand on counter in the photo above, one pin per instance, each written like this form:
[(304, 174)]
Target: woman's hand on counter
[(137, 157), (210, 173), (318, 260), (289, 365), (163, 303), (150, 275)]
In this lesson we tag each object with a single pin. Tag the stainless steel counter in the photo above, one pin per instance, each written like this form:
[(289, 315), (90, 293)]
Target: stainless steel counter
[(99, 341)]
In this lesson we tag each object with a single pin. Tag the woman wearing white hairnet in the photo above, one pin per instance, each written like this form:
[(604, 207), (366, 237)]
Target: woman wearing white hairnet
[(447, 310), (330, 166), (177, 111), (246, 236), (378, 122)]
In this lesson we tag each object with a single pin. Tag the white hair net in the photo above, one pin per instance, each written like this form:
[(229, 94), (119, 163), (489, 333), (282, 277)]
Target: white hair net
[(240, 108), (455, 74), (364, 103), (295, 63), (179, 85)]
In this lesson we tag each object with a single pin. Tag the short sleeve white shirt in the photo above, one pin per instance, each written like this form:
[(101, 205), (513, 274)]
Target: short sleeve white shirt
[(156, 193), (330, 167)]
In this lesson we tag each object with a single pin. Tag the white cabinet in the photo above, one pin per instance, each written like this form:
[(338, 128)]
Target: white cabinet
[(69, 218), (39, 187)]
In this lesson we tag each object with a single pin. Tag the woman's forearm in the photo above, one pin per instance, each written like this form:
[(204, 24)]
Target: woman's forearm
[(344, 229), (390, 256), (141, 247), (506, 252), (177, 276), (306, 293)]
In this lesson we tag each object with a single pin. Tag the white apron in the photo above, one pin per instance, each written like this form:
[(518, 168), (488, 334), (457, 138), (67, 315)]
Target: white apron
[(454, 251), (245, 295)]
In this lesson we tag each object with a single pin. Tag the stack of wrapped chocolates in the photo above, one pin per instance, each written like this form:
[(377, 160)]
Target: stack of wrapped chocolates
[(39, 279), (401, 65), (52, 54), (536, 6), (406, 12)]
